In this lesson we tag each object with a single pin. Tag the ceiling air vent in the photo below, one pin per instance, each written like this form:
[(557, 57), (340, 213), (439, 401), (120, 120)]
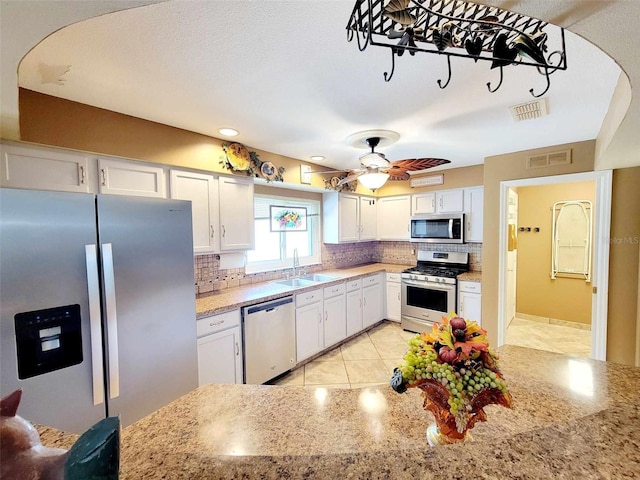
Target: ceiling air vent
[(530, 110), (549, 159)]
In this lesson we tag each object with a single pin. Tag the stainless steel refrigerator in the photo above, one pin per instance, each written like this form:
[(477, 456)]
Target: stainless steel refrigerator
[(97, 305)]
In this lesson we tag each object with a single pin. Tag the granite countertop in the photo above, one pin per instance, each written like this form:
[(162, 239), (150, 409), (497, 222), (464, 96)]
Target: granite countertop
[(572, 418), (237, 297), (470, 277)]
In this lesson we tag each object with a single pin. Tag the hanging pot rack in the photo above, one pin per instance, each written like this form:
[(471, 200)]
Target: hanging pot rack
[(456, 28)]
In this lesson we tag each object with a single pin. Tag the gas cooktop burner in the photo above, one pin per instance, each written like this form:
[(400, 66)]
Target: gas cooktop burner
[(435, 271)]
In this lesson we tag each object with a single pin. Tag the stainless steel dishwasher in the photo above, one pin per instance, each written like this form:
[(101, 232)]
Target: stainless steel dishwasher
[(269, 333)]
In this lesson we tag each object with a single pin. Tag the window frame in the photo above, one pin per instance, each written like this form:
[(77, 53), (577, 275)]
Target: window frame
[(313, 228)]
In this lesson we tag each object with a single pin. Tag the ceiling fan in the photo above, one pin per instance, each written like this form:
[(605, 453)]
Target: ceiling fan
[(375, 169)]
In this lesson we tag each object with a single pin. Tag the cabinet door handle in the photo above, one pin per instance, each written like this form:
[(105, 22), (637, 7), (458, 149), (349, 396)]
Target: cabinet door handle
[(237, 350), (326, 315), (83, 174), (433, 202), (211, 228), (440, 202), (319, 317), (103, 171), (398, 296), (224, 231), (469, 227)]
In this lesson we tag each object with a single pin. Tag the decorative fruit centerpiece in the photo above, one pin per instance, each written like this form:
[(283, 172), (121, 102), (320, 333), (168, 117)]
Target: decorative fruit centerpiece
[(458, 374)]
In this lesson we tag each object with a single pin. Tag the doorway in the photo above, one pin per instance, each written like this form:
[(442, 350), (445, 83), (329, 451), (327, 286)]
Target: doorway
[(596, 288)]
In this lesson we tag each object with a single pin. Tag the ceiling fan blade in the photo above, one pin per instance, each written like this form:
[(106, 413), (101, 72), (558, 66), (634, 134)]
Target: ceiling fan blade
[(415, 164), (349, 178)]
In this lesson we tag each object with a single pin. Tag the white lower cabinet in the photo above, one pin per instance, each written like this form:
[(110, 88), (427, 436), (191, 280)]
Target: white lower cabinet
[(470, 301), (309, 324), (335, 315), (354, 307), (393, 303), (220, 348), (372, 300)]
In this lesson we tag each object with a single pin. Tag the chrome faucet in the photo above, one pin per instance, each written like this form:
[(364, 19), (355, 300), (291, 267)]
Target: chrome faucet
[(296, 261)]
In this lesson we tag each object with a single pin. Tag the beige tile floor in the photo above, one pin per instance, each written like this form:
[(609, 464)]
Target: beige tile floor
[(550, 337), (370, 358)]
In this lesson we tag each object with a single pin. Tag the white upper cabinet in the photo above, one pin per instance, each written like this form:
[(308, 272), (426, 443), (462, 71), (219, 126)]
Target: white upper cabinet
[(202, 191), (474, 213), (444, 201), (368, 218), (236, 213), (122, 177), (43, 169), (449, 201), (348, 218), (394, 214), (423, 203)]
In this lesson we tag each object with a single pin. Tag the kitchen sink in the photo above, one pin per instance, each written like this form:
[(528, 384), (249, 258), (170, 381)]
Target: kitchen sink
[(317, 278), (295, 282)]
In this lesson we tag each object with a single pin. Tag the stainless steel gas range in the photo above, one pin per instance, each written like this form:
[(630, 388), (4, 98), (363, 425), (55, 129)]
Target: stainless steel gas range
[(429, 288)]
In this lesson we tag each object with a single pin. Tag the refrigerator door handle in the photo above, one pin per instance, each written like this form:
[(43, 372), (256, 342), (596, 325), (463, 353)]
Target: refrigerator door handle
[(93, 289), (112, 320)]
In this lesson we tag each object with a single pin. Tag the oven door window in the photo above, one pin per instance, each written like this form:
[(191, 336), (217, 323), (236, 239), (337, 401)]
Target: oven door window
[(427, 298)]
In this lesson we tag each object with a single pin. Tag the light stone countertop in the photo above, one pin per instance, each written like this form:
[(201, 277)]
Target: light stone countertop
[(470, 277), (238, 297), (573, 418)]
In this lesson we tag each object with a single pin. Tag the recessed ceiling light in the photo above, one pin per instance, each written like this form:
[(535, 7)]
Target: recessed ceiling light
[(229, 132), (316, 158)]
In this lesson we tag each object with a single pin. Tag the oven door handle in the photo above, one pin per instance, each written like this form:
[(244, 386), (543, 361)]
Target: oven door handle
[(446, 287)]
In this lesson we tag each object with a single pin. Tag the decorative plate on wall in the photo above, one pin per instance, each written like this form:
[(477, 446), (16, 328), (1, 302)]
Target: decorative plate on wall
[(238, 156)]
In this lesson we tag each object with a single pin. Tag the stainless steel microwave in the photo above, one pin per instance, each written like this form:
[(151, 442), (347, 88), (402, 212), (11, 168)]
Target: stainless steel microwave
[(442, 228)]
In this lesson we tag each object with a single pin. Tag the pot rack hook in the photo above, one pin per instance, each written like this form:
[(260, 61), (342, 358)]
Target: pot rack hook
[(546, 73), (499, 84), (449, 78), (388, 76)]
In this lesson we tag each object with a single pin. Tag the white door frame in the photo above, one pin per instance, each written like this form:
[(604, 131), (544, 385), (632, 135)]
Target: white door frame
[(600, 273)]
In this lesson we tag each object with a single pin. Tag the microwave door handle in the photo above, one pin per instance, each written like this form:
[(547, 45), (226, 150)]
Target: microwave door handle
[(451, 228)]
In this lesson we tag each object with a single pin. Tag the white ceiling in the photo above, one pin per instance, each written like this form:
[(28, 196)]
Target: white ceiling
[(283, 73)]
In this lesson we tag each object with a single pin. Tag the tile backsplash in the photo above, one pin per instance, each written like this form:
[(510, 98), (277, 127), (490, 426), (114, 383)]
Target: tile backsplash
[(209, 277)]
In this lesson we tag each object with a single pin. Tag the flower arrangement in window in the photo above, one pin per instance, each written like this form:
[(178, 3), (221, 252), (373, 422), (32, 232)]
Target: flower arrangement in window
[(288, 218), (458, 374)]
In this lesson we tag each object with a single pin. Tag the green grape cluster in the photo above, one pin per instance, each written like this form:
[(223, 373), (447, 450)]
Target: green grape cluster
[(462, 382)]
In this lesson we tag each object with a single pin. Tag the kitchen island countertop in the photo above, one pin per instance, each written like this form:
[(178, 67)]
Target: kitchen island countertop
[(237, 297), (572, 418)]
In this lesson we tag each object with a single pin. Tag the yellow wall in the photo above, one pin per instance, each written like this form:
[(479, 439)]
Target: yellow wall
[(453, 178), (512, 166), (55, 121), (537, 293), (624, 257)]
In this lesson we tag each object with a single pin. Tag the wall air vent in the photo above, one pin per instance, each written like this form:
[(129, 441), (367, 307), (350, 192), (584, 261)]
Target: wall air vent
[(530, 110), (549, 159)]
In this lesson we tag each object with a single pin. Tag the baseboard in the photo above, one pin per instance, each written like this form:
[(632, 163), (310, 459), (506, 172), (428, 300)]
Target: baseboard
[(553, 321)]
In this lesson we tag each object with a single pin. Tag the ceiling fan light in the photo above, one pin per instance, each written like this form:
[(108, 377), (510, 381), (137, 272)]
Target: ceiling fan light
[(374, 160), (373, 181)]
